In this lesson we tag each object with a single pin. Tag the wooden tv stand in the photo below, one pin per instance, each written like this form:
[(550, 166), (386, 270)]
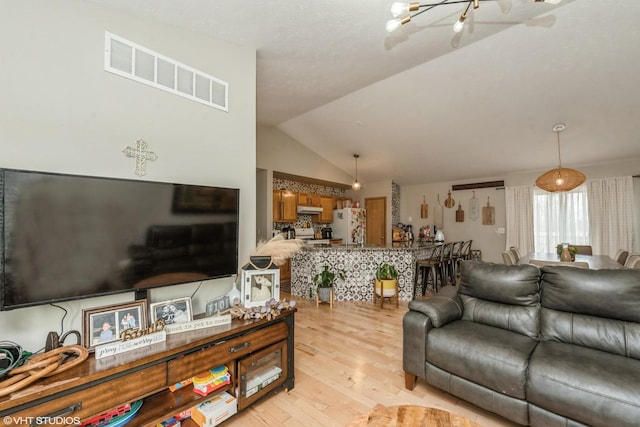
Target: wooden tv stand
[(97, 386)]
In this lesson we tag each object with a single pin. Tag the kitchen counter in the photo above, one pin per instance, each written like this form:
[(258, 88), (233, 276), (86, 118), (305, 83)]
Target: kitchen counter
[(359, 264)]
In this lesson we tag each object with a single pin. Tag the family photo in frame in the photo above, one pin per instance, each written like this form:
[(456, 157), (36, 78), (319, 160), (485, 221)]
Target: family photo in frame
[(104, 324), (172, 311)]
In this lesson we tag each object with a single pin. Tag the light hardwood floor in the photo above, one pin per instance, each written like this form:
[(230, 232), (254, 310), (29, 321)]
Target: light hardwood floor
[(348, 360)]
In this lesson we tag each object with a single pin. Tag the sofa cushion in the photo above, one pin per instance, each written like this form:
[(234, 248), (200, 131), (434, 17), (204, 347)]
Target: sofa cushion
[(592, 308), (590, 386), (613, 294), (610, 335), (503, 296), (492, 357)]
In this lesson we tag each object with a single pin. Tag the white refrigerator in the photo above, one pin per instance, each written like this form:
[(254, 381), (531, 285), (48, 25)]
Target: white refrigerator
[(350, 225)]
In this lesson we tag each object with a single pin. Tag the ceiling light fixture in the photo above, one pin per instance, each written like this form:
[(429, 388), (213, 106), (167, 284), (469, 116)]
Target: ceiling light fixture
[(356, 184), (560, 179), (402, 11)]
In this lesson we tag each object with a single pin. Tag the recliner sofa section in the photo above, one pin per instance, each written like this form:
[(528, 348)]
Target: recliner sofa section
[(557, 346)]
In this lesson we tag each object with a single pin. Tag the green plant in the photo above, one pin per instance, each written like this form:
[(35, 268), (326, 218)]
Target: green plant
[(326, 278), (572, 249), (386, 271)]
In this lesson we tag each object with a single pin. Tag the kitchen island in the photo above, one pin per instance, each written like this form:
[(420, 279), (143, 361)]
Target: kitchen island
[(359, 264)]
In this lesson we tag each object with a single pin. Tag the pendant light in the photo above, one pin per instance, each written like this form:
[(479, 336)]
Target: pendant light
[(356, 184), (560, 179)]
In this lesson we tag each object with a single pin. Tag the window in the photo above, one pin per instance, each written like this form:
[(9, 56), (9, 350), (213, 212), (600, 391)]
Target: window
[(560, 218)]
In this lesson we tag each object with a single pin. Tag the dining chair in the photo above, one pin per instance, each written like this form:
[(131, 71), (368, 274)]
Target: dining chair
[(633, 262), (621, 256), (507, 258), (543, 263), (584, 249), (516, 254)]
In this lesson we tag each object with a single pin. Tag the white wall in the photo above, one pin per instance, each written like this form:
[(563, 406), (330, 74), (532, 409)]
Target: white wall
[(60, 111)]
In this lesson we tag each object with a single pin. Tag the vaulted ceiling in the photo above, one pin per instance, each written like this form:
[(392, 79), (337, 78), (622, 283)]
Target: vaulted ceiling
[(424, 104)]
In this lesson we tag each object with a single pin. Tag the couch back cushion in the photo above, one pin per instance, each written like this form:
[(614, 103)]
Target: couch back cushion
[(592, 308), (504, 296)]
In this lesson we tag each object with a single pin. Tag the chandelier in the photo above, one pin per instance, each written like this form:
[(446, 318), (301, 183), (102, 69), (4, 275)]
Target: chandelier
[(560, 179), (402, 11), (356, 184)]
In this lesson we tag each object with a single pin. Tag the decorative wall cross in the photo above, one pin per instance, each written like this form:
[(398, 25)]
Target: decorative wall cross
[(141, 155)]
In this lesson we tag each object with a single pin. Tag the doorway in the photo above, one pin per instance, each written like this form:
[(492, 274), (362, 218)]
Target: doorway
[(376, 220)]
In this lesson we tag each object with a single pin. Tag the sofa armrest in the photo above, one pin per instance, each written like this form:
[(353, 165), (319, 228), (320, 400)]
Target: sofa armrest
[(415, 327), (443, 308), (423, 316)]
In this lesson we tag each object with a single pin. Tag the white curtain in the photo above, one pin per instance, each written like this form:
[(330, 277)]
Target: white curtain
[(611, 214), (560, 218), (519, 218)]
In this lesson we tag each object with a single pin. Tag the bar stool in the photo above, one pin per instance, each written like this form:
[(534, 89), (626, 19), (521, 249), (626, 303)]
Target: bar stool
[(456, 254), (465, 252), (446, 263), (425, 269)]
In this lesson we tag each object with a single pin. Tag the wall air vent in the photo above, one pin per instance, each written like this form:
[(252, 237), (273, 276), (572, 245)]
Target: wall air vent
[(143, 65)]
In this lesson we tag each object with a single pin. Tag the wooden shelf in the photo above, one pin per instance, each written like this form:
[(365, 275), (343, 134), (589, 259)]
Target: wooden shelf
[(97, 386)]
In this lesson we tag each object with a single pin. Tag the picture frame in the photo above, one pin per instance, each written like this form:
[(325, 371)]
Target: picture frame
[(101, 325), (259, 286), (172, 311)]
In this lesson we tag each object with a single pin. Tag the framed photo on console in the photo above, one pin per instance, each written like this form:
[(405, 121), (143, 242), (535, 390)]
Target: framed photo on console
[(104, 324), (172, 311)]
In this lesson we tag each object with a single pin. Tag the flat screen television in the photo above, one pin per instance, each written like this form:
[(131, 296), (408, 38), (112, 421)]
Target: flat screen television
[(67, 237)]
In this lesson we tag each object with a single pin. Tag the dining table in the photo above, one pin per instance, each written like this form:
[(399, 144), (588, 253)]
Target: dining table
[(596, 262)]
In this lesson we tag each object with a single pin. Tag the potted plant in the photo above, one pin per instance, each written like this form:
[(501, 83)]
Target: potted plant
[(324, 282), (572, 250), (386, 282)]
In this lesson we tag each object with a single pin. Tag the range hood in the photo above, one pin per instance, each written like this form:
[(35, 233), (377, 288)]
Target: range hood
[(313, 210)]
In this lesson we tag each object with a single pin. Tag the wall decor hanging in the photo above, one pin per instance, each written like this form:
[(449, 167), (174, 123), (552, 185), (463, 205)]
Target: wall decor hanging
[(474, 207), (424, 208), (449, 203), (488, 214), (459, 213), (141, 154)]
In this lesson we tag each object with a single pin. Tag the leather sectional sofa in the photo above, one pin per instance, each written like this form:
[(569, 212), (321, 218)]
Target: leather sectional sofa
[(556, 346)]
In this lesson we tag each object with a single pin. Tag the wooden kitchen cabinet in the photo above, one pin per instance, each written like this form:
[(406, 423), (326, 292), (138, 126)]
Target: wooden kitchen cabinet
[(309, 199), (285, 206), (246, 347), (328, 205)]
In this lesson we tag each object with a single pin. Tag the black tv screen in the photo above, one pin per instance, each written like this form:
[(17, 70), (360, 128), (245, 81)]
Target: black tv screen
[(67, 237)]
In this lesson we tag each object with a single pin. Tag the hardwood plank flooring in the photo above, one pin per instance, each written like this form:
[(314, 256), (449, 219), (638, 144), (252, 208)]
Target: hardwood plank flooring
[(348, 360)]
